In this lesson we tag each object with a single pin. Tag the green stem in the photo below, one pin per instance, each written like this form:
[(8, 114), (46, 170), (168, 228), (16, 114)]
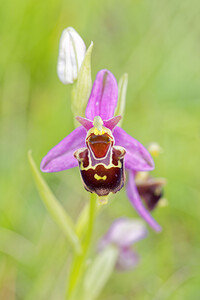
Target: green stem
[(79, 260)]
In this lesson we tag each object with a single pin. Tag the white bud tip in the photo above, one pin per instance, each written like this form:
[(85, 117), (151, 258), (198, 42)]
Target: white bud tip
[(71, 54)]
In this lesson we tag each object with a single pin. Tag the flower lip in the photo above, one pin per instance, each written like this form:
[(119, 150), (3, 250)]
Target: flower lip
[(99, 144), (99, 139), (99, 130), (101, 163), (150, 189)]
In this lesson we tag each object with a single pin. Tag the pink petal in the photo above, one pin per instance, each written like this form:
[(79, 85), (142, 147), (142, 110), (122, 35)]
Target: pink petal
[(124, 232), (85, 122), (112, 123), (127, 260), (137, 157), (137, 203), (61, 156), (103, 98)]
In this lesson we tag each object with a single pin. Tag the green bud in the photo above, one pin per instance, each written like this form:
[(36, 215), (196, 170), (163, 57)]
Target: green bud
[(82, 88), (122, 88)]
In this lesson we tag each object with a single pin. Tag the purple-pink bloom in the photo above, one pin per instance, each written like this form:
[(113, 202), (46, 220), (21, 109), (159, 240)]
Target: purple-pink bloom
[(123, 233), (128, 152)]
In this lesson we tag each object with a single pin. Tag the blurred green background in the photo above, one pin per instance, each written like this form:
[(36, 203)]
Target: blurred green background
[(157, 43)]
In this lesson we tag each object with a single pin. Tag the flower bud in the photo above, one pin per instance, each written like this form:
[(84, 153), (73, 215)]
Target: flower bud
[(122, 87), (82, 88), (71, 55)]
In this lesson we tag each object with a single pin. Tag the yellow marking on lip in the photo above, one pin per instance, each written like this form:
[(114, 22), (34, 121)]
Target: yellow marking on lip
[(97, 177), (98, 132), (99, 129), (111, 165)]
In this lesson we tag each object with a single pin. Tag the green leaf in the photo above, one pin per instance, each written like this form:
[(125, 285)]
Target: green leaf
[(16, 245), (99, 272), (55, 209)]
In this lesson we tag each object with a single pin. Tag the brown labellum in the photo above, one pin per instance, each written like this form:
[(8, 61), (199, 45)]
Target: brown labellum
[(101, 164)]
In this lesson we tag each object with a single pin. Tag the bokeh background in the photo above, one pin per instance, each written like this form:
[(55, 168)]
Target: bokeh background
[(157, 43)]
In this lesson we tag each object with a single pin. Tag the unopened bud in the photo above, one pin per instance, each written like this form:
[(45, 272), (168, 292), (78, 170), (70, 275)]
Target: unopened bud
[(122, 88), (71, 55), (82, 89)]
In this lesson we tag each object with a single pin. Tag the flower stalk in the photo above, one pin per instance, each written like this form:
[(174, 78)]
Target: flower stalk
[(122, 86), (79, 261)]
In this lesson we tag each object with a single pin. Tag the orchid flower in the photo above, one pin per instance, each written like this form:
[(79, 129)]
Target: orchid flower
[(102, 150), (123, 233), (150, 189)]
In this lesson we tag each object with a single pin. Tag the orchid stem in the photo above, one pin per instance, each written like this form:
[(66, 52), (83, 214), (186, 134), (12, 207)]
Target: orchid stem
[(78, 263)]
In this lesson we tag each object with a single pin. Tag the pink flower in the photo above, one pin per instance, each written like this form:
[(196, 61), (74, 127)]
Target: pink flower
[(102, 150), (123, 233)]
